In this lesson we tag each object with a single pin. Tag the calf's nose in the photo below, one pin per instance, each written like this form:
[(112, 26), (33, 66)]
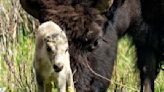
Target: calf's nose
[(57, 68)]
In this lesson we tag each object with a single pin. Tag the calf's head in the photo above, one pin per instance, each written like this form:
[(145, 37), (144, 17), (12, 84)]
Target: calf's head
[(54, 45)]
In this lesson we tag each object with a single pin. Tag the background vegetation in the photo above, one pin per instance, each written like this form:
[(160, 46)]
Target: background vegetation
[(17, 34)]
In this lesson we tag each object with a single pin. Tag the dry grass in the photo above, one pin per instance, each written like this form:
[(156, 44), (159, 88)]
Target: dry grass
[(17, 44)]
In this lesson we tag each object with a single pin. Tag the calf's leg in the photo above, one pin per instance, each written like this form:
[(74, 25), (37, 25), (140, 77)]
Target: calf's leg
[(62, 82), (70, 82), (48, 87)]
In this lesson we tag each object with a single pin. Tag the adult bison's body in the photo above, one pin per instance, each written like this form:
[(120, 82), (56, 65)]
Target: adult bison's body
[(143, 20), (93, 29)]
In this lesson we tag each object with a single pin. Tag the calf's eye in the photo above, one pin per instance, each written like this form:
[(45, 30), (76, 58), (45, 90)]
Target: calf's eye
[(66, 50), (49, 48)]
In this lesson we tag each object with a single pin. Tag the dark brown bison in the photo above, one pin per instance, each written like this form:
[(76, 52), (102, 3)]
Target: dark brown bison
[(92, 39), (93, 28)]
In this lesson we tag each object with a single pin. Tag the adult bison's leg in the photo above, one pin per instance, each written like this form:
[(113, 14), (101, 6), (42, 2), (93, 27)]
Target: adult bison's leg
[(40, 83), (147, 64)]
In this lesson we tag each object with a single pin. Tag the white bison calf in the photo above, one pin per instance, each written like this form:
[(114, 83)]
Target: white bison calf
[(52, 60)]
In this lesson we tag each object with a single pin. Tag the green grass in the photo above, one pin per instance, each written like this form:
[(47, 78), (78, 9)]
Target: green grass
[(16, 66), (17, 48), (19, 76), (125, 74)]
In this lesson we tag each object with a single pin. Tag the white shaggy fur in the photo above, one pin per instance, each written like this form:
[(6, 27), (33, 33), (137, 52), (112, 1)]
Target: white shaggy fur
[(52, 50)]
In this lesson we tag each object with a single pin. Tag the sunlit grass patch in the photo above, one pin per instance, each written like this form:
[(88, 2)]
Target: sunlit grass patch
[(125, 76), (17, 68)]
